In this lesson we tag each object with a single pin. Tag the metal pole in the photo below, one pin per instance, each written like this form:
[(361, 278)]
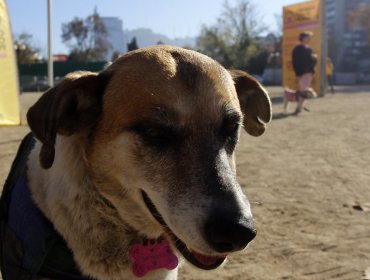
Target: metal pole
[(324, 47), (50, 50)]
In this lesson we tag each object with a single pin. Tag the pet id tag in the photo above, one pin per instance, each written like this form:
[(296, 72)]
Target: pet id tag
[(154, 255)]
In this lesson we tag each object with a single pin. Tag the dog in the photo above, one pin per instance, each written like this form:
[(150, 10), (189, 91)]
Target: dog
[(133, 167), (290, 95)]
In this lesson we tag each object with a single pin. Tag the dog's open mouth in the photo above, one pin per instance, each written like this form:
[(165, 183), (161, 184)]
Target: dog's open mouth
[(197, 259)]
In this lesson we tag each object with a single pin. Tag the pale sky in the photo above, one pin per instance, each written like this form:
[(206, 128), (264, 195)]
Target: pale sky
[(174, 18)]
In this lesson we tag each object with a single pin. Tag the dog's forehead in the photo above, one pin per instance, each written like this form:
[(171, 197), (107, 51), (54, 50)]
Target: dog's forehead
[(154, 81)]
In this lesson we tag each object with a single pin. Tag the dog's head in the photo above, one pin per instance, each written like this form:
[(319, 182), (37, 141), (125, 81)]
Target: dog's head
[(310, 93), (160, 126)]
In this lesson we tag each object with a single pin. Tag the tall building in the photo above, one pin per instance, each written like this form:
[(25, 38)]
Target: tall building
[(349, 35), (115, 36)]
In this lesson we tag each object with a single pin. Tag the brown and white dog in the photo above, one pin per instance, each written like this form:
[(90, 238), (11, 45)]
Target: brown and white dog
[(291, 95), (145, 150)]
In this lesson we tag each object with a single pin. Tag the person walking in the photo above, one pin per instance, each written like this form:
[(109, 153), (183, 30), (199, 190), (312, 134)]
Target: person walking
[(304, 62)]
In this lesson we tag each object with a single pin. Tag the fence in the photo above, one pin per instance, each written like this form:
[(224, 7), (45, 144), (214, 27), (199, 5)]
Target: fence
[(33, 77)]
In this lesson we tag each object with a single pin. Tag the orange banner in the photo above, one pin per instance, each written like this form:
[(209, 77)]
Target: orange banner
[(305, 16)]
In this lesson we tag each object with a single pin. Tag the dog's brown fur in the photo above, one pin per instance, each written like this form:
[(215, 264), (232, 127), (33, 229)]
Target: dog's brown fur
[(101, 141)]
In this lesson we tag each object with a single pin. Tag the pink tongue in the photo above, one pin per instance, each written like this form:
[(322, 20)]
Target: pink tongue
[(206, 260)]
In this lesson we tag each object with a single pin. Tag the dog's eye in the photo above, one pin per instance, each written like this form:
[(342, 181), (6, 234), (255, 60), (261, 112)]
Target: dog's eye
[(230, 133), (231, 129), (230, 126), (157, 136)]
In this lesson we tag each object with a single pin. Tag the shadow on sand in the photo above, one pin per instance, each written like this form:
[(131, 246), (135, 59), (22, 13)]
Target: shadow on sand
[(282, 115)]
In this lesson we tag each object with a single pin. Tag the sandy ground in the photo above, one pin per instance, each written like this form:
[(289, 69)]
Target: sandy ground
[(303, 177)]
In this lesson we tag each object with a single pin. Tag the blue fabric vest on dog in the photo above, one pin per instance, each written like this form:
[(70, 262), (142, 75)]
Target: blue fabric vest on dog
[(29, 244)]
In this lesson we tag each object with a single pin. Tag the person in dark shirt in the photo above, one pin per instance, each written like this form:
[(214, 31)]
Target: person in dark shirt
[(304, 62)]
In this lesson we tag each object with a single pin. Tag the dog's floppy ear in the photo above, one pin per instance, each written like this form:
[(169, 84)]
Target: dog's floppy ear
[(254, 102), (74, 105)]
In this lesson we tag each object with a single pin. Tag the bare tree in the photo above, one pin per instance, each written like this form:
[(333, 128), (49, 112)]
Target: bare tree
[(86, 38), (25, 50), (234, 39)]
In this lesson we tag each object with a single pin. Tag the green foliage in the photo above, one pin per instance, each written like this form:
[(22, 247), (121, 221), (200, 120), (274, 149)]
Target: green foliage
[(86, 38), (25, 51), (275, 42), (233, 40)]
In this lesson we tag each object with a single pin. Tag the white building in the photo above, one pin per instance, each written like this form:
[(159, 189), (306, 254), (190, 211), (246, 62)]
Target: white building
[(115, 36), (349, 45)]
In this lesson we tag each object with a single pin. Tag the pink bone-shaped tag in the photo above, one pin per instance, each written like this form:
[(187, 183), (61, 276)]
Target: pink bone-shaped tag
[(154, 255)]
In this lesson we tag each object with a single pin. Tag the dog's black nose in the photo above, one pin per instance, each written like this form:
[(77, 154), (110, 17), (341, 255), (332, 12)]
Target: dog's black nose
[(225, 234)]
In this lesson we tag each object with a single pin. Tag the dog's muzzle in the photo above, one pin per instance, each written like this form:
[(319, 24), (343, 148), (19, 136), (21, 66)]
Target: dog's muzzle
[(223, 234)]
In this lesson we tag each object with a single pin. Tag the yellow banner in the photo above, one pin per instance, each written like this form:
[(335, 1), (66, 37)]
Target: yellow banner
[(298, 18), (9, 97)]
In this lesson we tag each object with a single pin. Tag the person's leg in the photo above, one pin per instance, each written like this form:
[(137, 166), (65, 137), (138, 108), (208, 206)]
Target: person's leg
[(330, 81), (286, 101), (304, 82)]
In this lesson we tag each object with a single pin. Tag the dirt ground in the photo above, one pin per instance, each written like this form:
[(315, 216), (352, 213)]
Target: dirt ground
[(308, 180)]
